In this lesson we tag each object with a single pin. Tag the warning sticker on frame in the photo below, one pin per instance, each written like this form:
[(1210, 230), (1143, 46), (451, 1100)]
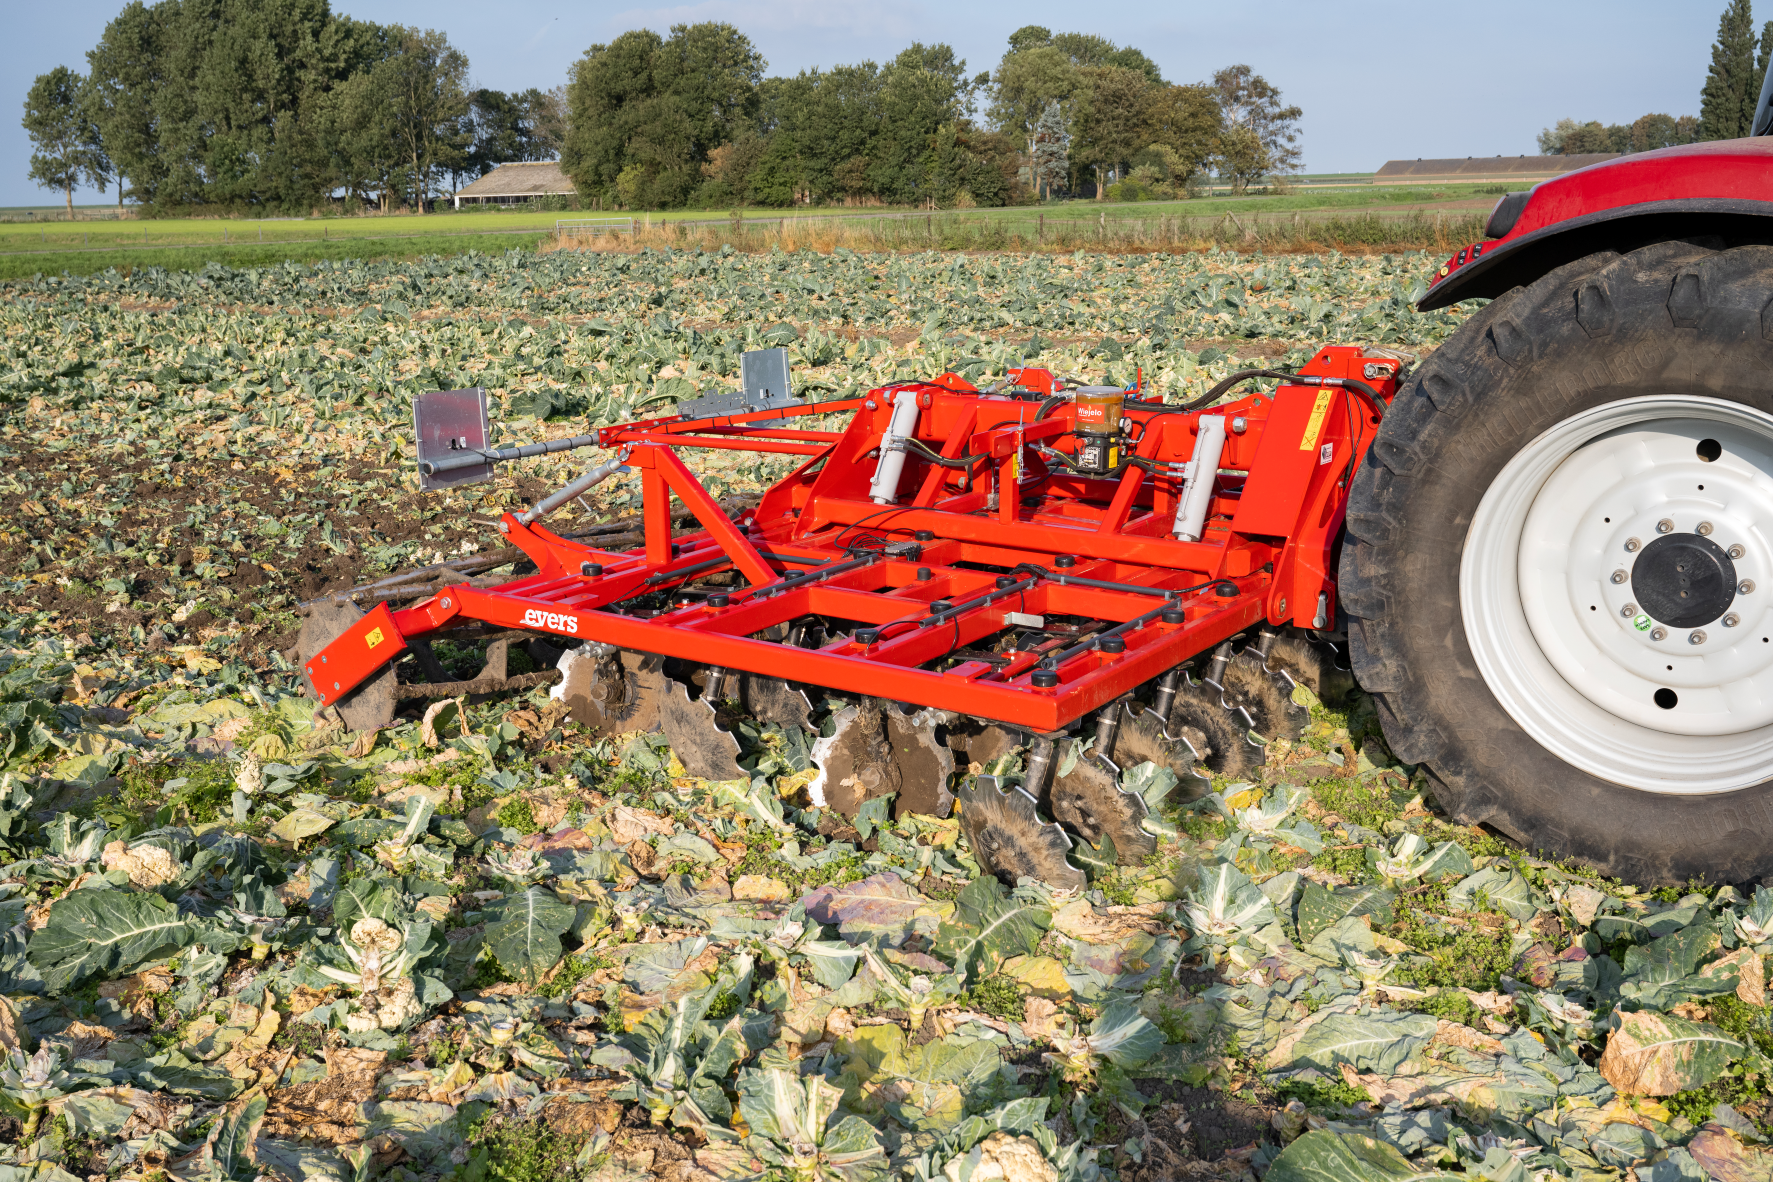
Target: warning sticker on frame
[(1325, 454), (1314, 426)]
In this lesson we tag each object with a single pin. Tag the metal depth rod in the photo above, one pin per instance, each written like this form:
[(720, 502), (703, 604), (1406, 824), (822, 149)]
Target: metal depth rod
[(469, 459)]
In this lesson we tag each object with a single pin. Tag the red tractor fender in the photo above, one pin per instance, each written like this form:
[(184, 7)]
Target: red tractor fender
[(1721, 189)]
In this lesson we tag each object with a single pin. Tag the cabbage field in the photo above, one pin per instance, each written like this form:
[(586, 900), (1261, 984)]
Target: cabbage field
[(481, 945)]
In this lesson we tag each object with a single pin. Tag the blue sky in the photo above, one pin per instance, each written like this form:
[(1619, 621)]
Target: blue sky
[(1376, 79)]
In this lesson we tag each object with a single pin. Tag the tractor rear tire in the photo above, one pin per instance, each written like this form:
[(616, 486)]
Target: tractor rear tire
[(1507, 607)]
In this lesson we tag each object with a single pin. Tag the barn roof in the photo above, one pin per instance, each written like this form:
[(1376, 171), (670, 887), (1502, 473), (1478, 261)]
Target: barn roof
[(539, 179), (1483, 167)]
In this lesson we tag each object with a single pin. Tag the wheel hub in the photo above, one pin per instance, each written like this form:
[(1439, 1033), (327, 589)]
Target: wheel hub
[(1684, 580), (1608, 586)]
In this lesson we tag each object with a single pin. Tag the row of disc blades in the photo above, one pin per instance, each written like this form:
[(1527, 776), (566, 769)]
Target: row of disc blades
[(878, 748)]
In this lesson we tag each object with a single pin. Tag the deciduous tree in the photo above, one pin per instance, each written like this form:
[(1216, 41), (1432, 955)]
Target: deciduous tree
[(1250, 101), (64, 141)]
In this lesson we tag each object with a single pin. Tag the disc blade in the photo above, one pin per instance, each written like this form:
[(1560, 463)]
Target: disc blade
[(1141, 738), (771, 699), (1088, 800), (1266, 697), (1009, 839), (854, 761), (921, 764), (876, 750), (704, 747), (1220, 737), (371, 704), (984, 743), (612, 692)]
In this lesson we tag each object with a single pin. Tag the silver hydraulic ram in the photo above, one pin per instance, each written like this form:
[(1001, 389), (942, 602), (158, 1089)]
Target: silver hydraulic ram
[(885, 489), (584, 483), (1198, 479)]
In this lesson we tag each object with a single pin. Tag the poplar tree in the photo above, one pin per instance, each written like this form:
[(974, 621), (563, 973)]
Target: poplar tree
[(1727, 101)]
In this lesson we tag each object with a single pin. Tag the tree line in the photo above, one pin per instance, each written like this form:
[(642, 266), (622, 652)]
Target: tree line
[(284, 105), (275, 105), (1727, 100), (691, 119)]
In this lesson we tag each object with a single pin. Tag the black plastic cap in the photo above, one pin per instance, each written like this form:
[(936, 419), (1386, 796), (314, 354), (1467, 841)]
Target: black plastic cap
[(924, 575), (719, 600), (1065, 560), (1031, 502), (1225, 590), (590, 569), (1045, 678), (1113, 644), (940, 605), (1173, 615), (924, 535), (867, 635), (1004, 581)]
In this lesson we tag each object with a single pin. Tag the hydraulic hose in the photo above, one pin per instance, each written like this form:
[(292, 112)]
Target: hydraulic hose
[(1244, 375)]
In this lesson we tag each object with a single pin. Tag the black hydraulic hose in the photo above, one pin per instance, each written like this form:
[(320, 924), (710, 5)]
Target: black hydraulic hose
[(1242, 375), (959, 463)]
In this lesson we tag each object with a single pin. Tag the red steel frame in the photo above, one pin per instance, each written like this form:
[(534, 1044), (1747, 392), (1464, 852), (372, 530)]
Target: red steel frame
[(1267, 553)]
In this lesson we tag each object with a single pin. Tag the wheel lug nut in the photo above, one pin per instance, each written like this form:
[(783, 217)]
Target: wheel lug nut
[(1629, 610), (1696, 638), (1731, 620), (1746, 587), (1736, 552), (1658, 634), (1620, 576), (1631, 545), (1703, 529), (1664, 526)]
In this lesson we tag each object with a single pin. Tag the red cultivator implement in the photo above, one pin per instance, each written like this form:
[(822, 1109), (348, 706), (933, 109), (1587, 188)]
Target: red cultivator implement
[(972, 570)]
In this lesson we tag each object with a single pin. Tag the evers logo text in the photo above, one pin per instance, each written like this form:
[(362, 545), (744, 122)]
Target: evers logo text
[(553, 621)]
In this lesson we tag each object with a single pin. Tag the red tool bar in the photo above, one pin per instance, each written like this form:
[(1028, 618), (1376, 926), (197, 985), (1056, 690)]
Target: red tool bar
[(1016, 702)]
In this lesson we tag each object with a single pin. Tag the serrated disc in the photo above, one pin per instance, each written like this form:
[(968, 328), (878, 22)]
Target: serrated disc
[(1218, 735), (369, 706), (874, 750), (984, 743), (612, 693), (704, 747), (1009, 839), (1088, 800), (770, 699), (1313, 664), (1266, 697), (1141, 738)]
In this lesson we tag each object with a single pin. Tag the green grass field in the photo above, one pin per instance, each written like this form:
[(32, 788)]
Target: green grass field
[(86, 247)]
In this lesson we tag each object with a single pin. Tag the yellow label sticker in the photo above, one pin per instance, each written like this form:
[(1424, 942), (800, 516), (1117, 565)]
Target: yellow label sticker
[(374, 638), (1315, 424)]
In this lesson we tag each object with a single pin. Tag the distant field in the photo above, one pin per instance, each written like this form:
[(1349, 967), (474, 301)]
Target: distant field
[(1387, 217)]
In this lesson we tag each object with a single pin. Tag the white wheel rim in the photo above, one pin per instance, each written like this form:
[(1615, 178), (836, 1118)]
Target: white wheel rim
[(1547, 625)]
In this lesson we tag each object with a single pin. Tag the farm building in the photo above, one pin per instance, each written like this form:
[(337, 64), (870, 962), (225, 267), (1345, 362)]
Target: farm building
[(1484, 168), (514, 184)]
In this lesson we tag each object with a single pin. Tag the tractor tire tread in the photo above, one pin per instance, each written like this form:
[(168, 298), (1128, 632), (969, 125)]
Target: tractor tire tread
[(1666, 317)]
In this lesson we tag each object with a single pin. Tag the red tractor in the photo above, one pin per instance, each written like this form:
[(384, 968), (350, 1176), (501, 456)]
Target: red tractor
[(1548, 551), (1558, 569)]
